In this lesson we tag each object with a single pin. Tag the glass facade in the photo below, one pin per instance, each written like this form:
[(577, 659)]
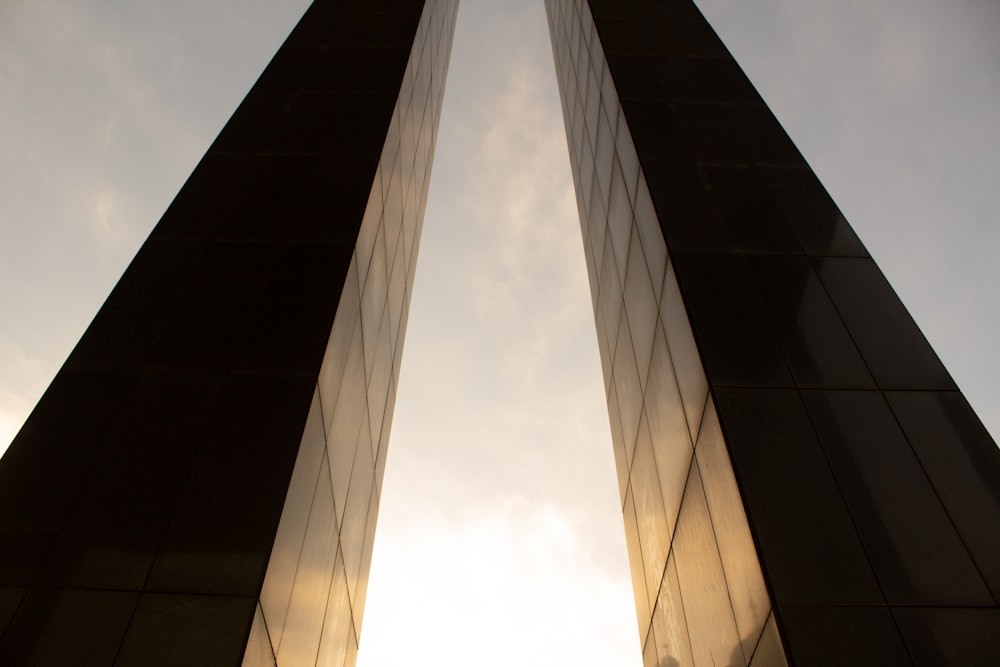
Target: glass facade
[(789, 448), (700, 594), (313, 594), (199, 485)]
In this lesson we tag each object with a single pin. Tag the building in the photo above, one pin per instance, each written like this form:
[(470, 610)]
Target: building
[(798, 473)]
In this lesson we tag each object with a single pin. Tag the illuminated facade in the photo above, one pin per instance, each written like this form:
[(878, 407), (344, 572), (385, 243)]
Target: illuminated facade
[(801, 481), (199, 485)]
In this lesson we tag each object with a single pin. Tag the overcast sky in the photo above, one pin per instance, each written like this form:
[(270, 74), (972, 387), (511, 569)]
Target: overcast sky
[(499, 538)]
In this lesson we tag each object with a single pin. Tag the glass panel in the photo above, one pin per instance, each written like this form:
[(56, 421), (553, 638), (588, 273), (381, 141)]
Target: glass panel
[(735, 337), (348, 416), (627, 158), (691, 220), (684, 354), (642, 606), (281, 568), (654, 530), (712, 627), (196, 630), (224, 524), (641, 308), (951, 636), (617, 442), (629, 389), (816, 220), (619, 220), (769, 651), (338, 346), (337, 621), (669, 622), (843, 636), (905, 529), (753, 218), (259, 652), (751, 603), (649, 652), (352, 532), (672, 449), (373, 298), (807, 541), (304, 622), (896, 352), (647, 227), (65, 627), (819, 351), (960, 458)]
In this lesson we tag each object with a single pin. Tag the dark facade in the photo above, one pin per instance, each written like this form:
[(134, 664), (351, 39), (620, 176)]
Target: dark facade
[(801, 481), (199, 485)]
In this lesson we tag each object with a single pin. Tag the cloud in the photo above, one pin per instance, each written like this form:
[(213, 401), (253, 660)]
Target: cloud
[(512, 586), (102, 210)]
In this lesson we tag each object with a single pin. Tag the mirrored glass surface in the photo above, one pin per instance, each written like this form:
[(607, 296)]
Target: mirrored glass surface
[(690, 220), (896, 352), (943, 636), (259, 652), (352, 530), (641, 308), (197, 630), (647, 228), (338, 347), (349, 415), (817, 347), (769, 651), (642, 603), (753, 218), (843, 636), (66, 627), (627, 157), (812, 214), (673, 646), (653, 525), (629, 388), (711, 624), (335, 641), (299, 641), (671, 443), (809, 548), (962, 462), (622, 460), (649, 658), (906, 531), (683, 352), (619, 221), (747, 591), (283, 563), (242, 474), (727, 316)]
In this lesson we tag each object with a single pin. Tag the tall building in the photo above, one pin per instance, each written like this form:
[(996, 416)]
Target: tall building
[(801, 482), (199, 484), (799, 474)]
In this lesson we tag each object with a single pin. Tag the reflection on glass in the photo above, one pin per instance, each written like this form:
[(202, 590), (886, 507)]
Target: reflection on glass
[(711, 624), (747, 592)]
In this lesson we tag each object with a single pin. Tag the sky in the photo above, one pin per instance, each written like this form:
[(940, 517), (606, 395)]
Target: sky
[(499, 537)]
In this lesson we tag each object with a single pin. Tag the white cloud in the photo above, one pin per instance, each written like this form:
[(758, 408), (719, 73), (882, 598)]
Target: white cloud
[(103, 209), (511, 585)]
